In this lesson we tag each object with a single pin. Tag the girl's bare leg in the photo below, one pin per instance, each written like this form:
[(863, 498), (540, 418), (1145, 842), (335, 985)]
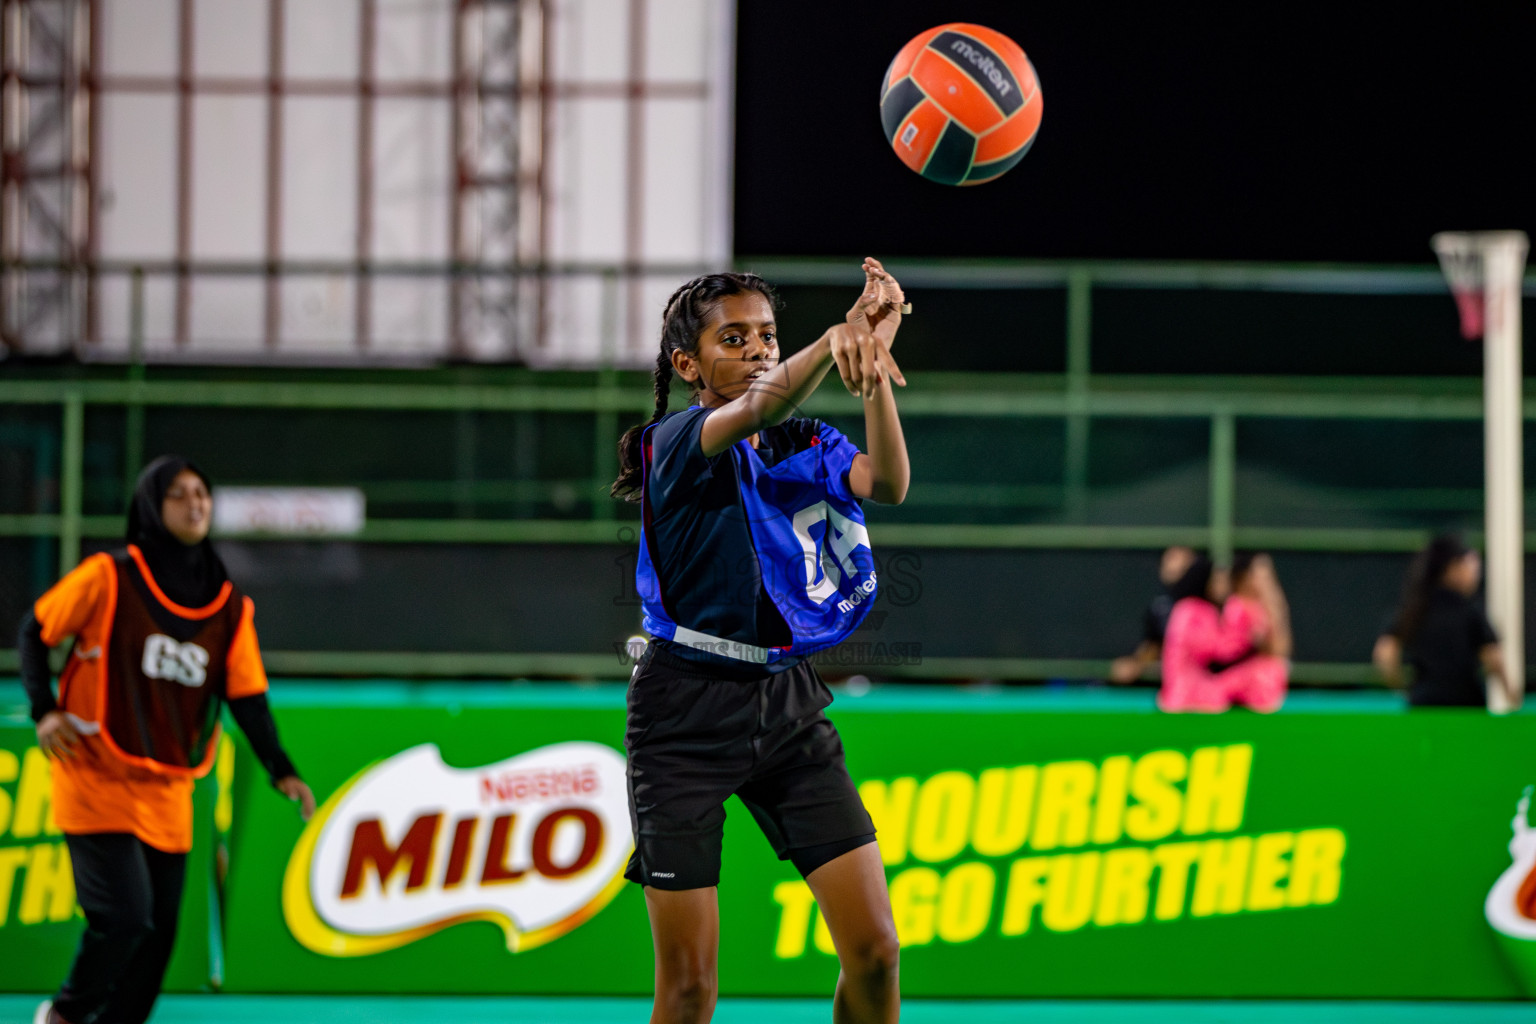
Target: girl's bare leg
[(685, 928), (852, 895)]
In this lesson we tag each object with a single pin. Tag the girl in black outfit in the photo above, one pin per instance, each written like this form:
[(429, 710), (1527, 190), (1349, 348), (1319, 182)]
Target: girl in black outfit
[(725, 702), (1444, 632)]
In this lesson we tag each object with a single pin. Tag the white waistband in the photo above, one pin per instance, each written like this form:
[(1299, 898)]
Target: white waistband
[(724, 648)]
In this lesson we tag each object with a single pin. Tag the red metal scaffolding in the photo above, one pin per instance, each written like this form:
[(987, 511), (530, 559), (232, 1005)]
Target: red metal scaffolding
[(502, 91), (498, 182), (48, 53)]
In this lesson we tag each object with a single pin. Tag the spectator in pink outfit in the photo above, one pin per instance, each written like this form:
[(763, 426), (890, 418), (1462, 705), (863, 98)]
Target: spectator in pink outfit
[(1257, 605), (1213, 660)]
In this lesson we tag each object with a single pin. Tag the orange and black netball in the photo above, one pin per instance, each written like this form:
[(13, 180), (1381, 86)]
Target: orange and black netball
[(961, 104)]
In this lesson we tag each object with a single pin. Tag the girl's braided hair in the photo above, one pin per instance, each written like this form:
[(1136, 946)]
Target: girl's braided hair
[(687, 314)]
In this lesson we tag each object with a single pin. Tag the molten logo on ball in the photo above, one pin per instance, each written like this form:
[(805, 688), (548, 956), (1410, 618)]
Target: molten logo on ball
[(536, 844), (984, 63)]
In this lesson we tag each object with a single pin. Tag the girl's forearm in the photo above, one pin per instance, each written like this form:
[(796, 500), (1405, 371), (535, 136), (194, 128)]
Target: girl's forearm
[(774, 397), (891, 470), (1492, 657)]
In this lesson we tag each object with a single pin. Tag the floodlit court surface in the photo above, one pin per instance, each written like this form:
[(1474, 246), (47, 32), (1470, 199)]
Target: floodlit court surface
[(428, 1010)]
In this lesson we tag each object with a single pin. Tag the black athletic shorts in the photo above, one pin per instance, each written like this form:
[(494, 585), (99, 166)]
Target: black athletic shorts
[(696, 736)]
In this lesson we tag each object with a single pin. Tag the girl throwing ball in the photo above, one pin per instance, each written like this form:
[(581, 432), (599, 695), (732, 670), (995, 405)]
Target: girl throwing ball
[(753, 556), (163, 640)]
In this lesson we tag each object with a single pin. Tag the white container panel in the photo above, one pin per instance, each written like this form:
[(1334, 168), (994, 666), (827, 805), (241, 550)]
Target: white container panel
[(229, 170), (589, 178), (230, 38), (413, 180), (114, 312), (321, 39), (319, 188), (678, 37), (675, 153), (318, 314), (584, 317), (591, 40), (137, 198), (415, 41), (140, 38), (410, 316), (227, 314)]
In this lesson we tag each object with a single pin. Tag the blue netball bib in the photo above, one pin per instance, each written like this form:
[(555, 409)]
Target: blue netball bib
[(809, 548)]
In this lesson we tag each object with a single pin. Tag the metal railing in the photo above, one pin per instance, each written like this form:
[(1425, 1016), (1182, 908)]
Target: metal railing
[(1077, 397), (1222, 402)]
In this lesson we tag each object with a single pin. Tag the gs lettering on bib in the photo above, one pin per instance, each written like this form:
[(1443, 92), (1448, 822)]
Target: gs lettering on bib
[(164, 658), (810, 543), (165, 679)]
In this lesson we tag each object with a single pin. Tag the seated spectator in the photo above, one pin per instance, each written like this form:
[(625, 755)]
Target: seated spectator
[(1154, 621), (1211, 663), (1257, 605), (1444, 632)]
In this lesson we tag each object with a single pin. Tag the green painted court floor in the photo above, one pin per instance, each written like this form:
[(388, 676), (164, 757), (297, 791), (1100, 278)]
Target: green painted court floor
[(466, 1010)]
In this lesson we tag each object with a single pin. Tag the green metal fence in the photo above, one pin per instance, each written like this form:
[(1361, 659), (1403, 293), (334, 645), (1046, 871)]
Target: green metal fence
[(1075, 400), (1222, 402)]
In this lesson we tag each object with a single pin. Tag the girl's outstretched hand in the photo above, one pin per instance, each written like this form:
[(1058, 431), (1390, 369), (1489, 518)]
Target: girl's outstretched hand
[(862, 360), (879, 304), (862, 348)]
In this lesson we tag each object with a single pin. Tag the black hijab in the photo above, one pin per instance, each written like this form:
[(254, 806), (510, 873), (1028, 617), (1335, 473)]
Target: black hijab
[(190, 575)]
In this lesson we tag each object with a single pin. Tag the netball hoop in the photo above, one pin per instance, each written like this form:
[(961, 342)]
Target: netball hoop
[(1486, 270)]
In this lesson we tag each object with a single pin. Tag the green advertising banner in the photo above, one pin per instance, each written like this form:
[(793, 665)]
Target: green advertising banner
[(40, 922), (471, 841)]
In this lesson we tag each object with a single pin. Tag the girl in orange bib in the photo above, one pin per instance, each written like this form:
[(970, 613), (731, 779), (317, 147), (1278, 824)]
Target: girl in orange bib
[(163, 640)]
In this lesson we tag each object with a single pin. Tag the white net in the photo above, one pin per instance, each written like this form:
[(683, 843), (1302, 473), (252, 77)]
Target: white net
[(1461, 259)]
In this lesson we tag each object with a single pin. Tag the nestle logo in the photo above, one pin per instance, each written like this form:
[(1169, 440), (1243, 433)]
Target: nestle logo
[(546, 784)]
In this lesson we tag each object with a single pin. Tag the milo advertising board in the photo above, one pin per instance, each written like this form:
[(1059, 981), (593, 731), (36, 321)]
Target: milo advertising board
[(37, 890), (40, 920), (535, 844), (998, 830), (1511, 905), (475, 843), (464, 843)]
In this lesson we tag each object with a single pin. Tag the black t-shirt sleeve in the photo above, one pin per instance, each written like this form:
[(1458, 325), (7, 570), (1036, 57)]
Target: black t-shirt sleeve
[(254, 716), (679, 468), (36, 677)]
